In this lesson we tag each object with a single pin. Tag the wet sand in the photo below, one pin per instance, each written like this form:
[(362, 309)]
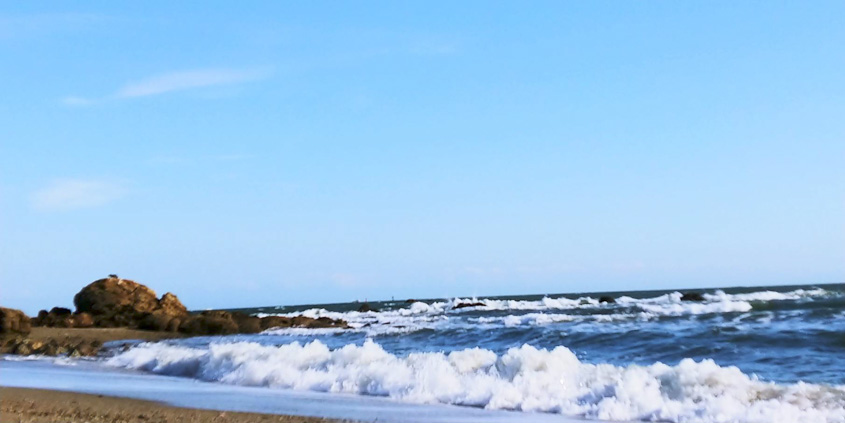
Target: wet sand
[(21, 405)]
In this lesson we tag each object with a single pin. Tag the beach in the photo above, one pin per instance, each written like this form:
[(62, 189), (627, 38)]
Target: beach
[(613, 356), (22, 405)]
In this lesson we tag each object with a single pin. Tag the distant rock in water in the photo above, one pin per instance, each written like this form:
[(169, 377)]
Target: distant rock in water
[(607, 299), (465, 305), (366, 307), (14, 322), (218, 322), (692, 296), (411, 301)]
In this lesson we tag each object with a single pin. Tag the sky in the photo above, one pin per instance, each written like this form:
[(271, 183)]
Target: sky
[(310, 152)]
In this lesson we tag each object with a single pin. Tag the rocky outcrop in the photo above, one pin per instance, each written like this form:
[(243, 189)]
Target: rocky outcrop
[(69, 346), (276, 322), (209, 323), (115, 302), (366, 307), (170, 305), (247, 323), (218, 322), (692, 296), (318, 323), (160, 320), (465, 305), (14, 322), (607, 299), (121, 303), (60, 317)]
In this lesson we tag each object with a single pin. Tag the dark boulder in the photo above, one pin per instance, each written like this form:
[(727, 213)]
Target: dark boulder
[(366, 307), (692, 296), (115, 302), (60, 311), (13, 321), (247, 323), (275, 322), (411, 301), (607, 299), (106, 296), (57, 317), (319, 323), (465, 305), (158, 321), (171, 305), (213, 322), (83, 320)]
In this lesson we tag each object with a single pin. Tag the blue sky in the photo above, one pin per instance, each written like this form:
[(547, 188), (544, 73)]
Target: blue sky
[(286, 152)]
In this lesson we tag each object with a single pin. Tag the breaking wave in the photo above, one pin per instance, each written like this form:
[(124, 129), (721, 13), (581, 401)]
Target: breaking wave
[(523, 379), (547, 310)]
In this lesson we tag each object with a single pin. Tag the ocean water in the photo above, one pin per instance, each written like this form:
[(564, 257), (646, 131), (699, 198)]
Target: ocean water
[(763, 354)]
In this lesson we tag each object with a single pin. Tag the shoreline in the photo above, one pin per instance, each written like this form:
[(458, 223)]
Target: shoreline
[(26, 405)]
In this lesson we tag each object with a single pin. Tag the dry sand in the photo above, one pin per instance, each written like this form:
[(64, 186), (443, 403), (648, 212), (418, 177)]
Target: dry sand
[(19, 405)]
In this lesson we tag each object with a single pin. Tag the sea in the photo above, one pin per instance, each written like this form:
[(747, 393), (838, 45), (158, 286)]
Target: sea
[(746, 354)]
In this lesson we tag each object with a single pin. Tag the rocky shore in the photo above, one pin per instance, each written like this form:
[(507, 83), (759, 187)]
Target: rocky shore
[(113, 308)]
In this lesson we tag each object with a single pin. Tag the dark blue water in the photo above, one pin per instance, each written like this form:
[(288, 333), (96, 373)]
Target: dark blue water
[(763, 354), (783, 334)]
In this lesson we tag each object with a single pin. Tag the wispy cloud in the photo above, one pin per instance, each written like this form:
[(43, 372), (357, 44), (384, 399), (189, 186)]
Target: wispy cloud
[(77, 101), (174, 82), (70, 194), (179, 81)]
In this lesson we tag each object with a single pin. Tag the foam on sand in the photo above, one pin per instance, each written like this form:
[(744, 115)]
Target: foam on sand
[(524, 378)]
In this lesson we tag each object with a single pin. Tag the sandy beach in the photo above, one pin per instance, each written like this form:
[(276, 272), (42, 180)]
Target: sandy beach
[(44, 406)]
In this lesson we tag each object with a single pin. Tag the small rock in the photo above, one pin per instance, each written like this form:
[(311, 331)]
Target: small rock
[(692, 296), (465, 305), (366, 307)]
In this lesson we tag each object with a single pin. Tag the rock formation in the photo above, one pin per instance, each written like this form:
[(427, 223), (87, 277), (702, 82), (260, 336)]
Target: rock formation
[(366, 307), (113, 302), (465, 305), (14, 322), (68, 346), (692, 296)]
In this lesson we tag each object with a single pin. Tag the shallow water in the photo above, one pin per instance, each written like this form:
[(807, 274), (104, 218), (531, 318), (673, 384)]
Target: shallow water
[(93, 378)]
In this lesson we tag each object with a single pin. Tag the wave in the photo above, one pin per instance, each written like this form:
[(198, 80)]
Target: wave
[(522, 379), (440, 314)]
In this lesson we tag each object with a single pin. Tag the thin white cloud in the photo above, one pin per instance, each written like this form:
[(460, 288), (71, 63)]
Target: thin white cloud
[(77, 101), (71, 194), (185, 80), (173, 82)]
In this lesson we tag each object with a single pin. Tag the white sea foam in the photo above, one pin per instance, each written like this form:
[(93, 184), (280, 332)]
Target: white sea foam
[(524, 378), (441, 314)]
